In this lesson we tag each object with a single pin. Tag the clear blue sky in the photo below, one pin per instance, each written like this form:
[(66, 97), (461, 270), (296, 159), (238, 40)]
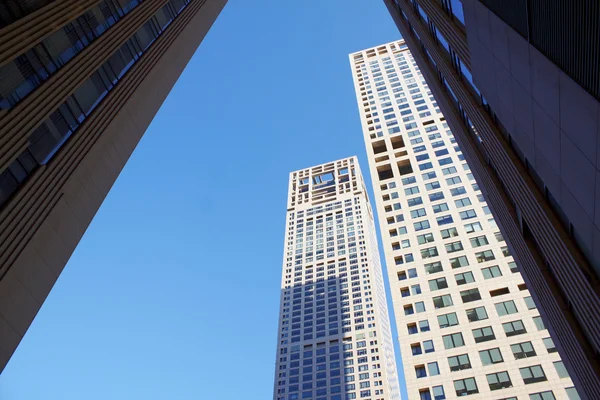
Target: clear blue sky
[(173, 292)]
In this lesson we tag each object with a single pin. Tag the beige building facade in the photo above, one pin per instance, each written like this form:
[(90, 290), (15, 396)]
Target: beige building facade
[(334, 338), (518, 84), (466, 321)]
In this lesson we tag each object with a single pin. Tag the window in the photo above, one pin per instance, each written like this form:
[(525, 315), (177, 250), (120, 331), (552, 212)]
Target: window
[(499, 237), (428, 346), (453, 340), (448, 233), (449, 170), (462, 202), (442, 301), (436, 196), (425, 238), (457, 191), (454, 247), (491, 272), (479, 241), (438, 284), (522, 350), (425, 166), (419, 226), (483, 334), (447, 320), (418, 213), (513, 267), (416, 349), (491, 356), (424, 326), (484, 256), (412, 273), (499, 380), (411, 190), (444, 219), (438, 208), (420, 371), (459, 362), (506, 308), (572, 393), (474, 227), (433, 267), (470, 295), (459, 262), (438, 393), (539, 324), (514, 328), (549, 344), (465, 387), (433, 368), (432, 185), (529, 303), (464, 278), (409, 180), (533, 374), (560, 369), (547, 395), (454, 180), (412, 329), (468, 214), (428, 175), (420, 307), (477, 314), (429, 252), (415, 201)]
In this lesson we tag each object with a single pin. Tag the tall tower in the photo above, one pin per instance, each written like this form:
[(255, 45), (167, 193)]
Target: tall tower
[(466, 321), (334, 340), (518, 82), (80, 81)]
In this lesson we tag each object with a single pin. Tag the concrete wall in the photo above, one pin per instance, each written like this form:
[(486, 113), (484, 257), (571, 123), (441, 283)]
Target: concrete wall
[(552, 119)]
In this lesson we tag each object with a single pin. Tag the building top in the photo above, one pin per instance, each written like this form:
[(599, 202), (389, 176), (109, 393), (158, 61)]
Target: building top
[(396, 46), (325, 182)]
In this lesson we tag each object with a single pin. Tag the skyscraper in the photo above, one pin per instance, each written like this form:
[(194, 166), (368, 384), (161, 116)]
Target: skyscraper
[(518, 82), (334, 340), (466, 321), (79, 83)]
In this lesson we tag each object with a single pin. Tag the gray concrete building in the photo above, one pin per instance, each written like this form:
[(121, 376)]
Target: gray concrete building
[(80, 81)]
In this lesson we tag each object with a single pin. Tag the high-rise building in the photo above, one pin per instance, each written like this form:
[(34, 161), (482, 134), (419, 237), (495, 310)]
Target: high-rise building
[(80, 82), (467, 323), (334, 340), (518, 82)]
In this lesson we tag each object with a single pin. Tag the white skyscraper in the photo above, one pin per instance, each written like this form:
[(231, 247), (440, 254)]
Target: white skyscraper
[(466, 322), (334, 339)]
